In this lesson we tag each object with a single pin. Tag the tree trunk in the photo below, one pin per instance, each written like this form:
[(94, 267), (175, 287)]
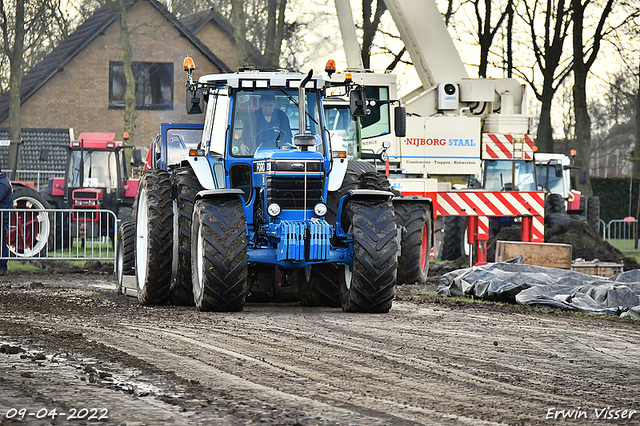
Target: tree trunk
[(583, 122), (369, 27), (238, 22), (636, 149), (544, 137), (127, 62), (270, 49), (16, 59)]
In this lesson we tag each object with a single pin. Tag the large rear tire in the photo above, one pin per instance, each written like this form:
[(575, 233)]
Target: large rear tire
[(154, 237), (28, 232), (593, 213), (368, 286), (413, 263), (125, 254), (219, 255), (186, 186)]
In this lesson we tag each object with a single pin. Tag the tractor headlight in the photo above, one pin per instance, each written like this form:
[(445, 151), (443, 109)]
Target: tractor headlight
[(273, 209), (320, 209), (384, 156)]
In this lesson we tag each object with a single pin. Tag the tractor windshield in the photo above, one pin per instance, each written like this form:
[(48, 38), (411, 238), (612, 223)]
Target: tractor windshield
[(93, 169), (499, 175), (548, 180), (269, 119)]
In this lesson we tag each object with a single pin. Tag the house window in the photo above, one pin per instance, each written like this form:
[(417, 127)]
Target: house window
[(154, 85)]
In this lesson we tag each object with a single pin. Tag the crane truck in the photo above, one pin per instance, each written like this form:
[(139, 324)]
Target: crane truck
[(451, 122)]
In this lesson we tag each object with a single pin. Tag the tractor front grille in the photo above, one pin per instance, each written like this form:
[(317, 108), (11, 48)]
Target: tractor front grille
[(289, 191)]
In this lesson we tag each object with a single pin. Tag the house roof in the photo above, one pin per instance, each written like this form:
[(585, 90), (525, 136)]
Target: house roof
[(76, 42), (197, 20)]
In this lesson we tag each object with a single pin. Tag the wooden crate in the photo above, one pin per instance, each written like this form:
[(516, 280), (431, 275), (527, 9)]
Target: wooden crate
[(540, 254), (597, 268)]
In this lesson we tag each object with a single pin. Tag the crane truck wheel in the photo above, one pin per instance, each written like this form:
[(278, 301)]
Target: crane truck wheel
[(413, 263), (29, 232), (319, 285), (125, 254), (154, 237), (554, 203), (368, 285), (219, 266), (593, 213), (454, 244), (186, 186)]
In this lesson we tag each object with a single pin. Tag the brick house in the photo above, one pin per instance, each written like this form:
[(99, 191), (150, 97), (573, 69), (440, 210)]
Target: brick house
[(80, 84)]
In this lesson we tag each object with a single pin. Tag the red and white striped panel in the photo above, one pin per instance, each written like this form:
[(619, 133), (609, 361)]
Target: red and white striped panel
[(486, 203), (502, 147), (483, 228)]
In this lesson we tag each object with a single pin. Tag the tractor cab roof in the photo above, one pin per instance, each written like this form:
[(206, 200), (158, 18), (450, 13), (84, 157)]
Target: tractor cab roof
[(94, 140), (262, 80)]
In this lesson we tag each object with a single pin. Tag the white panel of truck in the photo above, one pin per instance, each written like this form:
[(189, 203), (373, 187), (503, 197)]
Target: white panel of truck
[(441, 145)]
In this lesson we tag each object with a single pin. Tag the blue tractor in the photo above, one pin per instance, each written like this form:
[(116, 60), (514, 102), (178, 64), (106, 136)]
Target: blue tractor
[(250, 209)]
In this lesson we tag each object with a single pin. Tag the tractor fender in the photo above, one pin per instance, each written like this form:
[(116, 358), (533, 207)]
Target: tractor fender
[(364, 195), (202, 170), (336, 175), (220, 193)]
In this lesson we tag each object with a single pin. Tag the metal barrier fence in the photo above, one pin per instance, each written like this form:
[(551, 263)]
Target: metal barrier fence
[(60, 234), (623, 234)]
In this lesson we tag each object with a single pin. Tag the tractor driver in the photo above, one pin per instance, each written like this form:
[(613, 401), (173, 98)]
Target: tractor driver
[(269, 127)]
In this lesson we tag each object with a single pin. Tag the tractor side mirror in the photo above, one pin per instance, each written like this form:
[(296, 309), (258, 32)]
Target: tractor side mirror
[(400, 120), (358, 102), (582, 178), (136, 156), (194, 101), (44, 154), (558, 168)]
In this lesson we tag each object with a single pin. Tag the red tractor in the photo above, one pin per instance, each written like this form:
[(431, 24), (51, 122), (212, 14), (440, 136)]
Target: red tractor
[(96, 178)]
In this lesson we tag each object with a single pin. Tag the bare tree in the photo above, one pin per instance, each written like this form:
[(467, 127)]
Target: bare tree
[(550, 59), (119, 10), (583, 58), (24, 26), (483, 10)]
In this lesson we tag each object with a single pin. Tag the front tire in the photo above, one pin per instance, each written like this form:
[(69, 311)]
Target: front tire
[(219, 262), (413, 263), (154, 237), (593, 213), (368, 286), (319, 285)]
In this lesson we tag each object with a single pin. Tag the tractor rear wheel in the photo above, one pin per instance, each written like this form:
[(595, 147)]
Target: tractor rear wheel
[(186, 186), (319, 285), (154, 237), (219, 255), (125, 254), (413, 263), (28, 231), (368, 285), (593, 213)]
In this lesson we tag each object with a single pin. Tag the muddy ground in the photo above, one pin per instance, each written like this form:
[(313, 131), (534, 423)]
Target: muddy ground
[(69, 343)]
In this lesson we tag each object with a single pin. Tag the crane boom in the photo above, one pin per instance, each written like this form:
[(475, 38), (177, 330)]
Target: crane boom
[(349, 36)]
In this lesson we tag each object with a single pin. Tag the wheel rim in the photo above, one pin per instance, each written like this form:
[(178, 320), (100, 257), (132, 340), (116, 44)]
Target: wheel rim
[(176, 248), (198, 284), (424, 249), (307, 273), (348, 276), (119, 262), (142, 239), (28, 231)]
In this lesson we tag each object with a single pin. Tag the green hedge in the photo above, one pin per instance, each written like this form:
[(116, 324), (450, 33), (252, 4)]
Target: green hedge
[(614, 197)]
